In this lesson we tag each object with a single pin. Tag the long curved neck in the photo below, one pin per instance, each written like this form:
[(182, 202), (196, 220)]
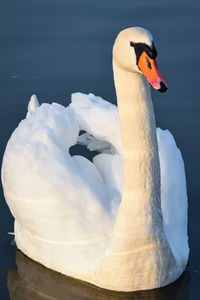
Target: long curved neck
[(138, 130), (138, 241), (140, 209)]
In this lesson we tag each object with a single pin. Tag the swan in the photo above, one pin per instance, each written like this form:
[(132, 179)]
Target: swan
[(116, 222)]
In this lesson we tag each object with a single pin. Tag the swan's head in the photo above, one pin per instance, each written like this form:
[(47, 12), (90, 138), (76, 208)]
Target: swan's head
[(134, 50)]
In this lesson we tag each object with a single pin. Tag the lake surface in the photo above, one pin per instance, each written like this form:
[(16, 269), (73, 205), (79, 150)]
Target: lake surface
[(55, 47)]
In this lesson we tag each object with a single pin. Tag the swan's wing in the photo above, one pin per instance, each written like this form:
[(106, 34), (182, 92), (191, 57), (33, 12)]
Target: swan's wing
[(58, 197), (94, 144), (173, 195), (97, 117)]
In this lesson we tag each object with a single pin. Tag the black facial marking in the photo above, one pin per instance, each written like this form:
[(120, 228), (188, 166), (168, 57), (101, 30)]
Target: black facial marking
[(141, 47), (148, 62)]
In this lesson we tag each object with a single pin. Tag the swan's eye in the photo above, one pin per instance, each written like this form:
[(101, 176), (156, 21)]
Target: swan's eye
[(131, 44), (148, 62)]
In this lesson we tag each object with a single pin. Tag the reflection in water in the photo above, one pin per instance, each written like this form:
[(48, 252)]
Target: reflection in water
[(30, 280)]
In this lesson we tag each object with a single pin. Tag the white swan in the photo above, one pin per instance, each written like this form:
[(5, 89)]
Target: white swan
[(68, 214)]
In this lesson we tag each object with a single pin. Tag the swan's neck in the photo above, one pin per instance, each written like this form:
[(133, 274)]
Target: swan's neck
[(138, 240), (140, 211)]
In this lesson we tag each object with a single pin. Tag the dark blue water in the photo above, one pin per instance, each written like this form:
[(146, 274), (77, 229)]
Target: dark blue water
[(56, 47)]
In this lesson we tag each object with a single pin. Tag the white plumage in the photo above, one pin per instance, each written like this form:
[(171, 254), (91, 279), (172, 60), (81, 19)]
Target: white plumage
[(65, 206), (72, 200)]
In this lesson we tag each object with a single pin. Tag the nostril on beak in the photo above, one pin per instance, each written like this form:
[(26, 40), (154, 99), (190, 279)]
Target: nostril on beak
[(163, 87)]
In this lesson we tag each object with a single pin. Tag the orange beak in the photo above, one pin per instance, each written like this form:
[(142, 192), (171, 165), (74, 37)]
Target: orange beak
[(149, 68)]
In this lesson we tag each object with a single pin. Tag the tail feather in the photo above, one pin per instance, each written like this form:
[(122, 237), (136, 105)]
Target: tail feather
[(33, 105)]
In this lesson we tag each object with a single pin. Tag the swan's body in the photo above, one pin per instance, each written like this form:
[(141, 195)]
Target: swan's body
[(68, 212)]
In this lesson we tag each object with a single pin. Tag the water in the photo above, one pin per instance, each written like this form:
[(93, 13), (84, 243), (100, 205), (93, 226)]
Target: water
[(53, 48)]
